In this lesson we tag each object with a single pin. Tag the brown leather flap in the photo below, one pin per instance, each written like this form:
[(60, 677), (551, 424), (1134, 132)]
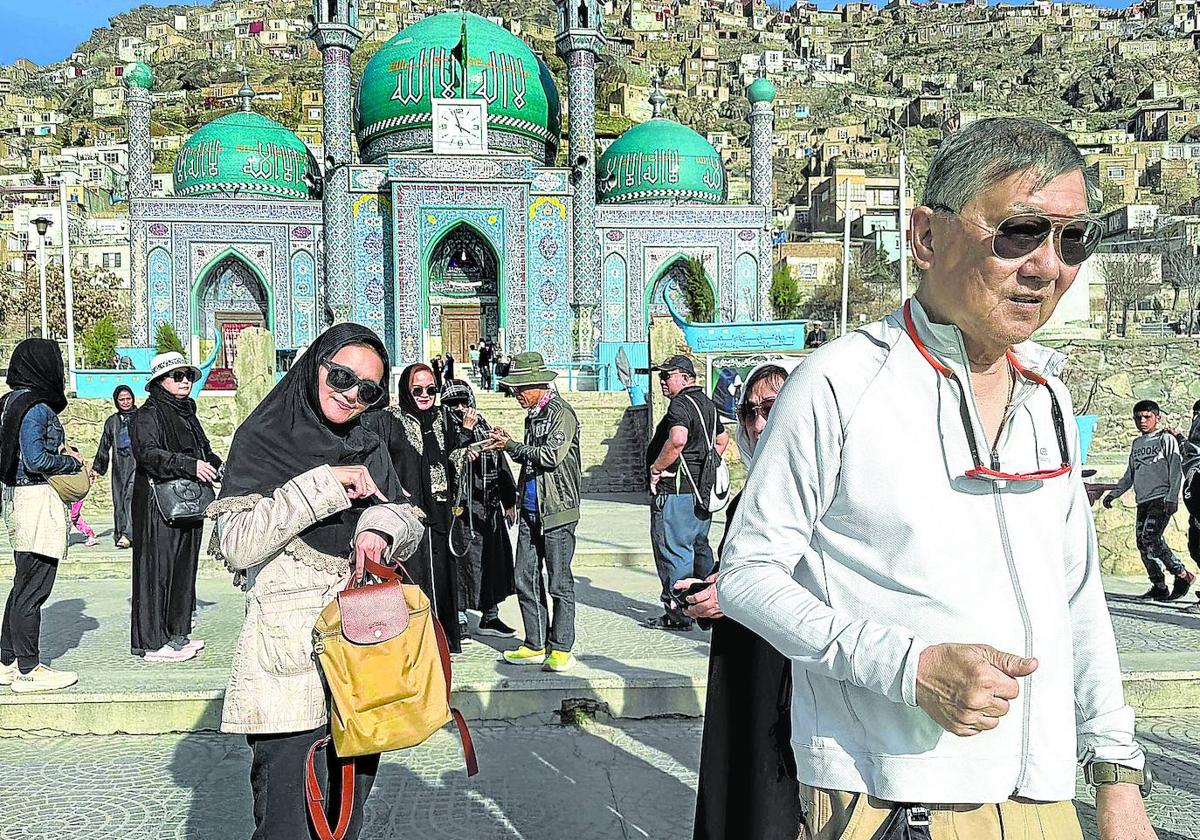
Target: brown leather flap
[(373, 614)]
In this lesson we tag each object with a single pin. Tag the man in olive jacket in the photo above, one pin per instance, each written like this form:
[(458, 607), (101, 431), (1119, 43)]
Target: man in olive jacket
[(548, 496)]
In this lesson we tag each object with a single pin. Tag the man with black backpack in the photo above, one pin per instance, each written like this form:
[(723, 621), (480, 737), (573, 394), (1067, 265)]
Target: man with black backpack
[(682, 459)]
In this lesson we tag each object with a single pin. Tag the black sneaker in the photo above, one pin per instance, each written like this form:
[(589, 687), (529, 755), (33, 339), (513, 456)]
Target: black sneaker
[(496, 627), (667, 622), (1157, 592), (464, 633), (1182, 586)]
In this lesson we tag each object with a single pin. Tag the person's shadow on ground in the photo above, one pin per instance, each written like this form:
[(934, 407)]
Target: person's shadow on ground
[(63, 625)]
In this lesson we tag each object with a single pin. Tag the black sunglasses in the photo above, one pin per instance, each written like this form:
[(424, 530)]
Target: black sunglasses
[(183, 374), (1075, 237), (341, 378), (428, 391)]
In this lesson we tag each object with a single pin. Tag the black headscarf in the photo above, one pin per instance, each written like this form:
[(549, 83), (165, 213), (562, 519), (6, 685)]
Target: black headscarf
[(117, 392), (36, 366), (288, 434)]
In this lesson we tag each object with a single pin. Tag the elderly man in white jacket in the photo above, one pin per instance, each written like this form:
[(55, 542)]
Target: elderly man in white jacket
[(916, 537)]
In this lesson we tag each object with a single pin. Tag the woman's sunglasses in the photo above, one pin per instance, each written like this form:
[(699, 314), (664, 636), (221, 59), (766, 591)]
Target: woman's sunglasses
[(1075, 237), (341, 378), (183, 374), (427, 391), (749, 411)]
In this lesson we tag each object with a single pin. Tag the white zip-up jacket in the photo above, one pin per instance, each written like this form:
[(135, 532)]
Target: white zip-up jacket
[(859, 542)]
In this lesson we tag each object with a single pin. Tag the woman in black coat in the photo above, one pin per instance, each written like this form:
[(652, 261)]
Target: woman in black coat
[(168, 443), (747, 789), (416, 441), (485, 504), (116, 441)]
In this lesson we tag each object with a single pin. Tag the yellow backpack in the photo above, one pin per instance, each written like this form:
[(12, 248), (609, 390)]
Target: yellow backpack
[(386, 663)]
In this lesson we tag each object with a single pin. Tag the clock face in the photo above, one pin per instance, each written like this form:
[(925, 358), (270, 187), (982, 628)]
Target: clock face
[(460, 127)]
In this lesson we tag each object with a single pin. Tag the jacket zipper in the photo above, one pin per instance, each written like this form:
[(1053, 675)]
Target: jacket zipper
[(1023, 608), (1002, 522)]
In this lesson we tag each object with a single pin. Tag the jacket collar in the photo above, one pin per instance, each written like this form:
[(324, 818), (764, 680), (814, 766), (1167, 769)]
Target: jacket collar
[(945, 341)]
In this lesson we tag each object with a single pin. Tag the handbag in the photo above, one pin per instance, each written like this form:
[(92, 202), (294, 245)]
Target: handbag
[(386, 663), (73, 487), (715, 479), (182, 501)]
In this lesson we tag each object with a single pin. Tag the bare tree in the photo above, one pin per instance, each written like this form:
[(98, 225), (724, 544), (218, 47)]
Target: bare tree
[(1181, 268), (95, 296), (1128, 279)]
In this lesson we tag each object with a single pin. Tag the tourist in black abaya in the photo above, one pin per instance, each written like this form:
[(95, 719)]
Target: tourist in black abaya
[(747, 788), (485, 505), (416, 440), (168, 443), (115, 446)]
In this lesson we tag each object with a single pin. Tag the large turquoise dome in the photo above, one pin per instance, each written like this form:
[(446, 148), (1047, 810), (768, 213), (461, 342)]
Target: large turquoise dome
[(661, 162), (394, 112), (245, 155)]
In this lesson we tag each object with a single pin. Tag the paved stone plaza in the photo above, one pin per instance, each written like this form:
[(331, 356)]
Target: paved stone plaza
[(634, 781), (630, 773)]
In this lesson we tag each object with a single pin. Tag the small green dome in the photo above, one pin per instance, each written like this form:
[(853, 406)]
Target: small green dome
[(244, 155), (394, 112), (660, 161), (761, 90), (138, 75)]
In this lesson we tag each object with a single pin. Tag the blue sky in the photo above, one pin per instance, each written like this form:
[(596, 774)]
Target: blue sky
[(46, 31)]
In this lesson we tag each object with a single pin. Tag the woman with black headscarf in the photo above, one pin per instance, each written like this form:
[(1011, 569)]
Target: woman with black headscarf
[(115, 440), (416, 440), (168, 443), (31, 440), (303, 501)]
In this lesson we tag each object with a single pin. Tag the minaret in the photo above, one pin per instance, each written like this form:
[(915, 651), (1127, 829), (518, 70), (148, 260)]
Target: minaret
[(579, 43), (334, 29), (138, 80), (761, 94)]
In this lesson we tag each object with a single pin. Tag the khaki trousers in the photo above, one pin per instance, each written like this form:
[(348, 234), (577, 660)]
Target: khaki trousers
[(838, 815)]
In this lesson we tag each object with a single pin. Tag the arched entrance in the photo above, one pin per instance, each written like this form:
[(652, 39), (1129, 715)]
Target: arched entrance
[(464, 284), (229, 298), (671, 282)]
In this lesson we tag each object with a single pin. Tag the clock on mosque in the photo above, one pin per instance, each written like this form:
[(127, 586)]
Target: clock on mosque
[(460, 126)]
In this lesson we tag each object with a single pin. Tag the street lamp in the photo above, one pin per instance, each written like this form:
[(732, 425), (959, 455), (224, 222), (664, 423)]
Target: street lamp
[(42, 224)]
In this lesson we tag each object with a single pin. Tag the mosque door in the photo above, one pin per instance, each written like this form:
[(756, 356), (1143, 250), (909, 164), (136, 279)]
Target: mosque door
[(460, 329), (464, 284)]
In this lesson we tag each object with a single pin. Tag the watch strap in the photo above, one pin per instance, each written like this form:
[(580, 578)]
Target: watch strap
[(1109, 773)]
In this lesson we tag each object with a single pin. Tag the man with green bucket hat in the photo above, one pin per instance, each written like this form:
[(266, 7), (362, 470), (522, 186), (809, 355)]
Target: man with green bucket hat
[(548, 490)]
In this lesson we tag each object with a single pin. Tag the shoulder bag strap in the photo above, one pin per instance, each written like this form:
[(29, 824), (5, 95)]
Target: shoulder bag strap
[(460, 722), (316, 798), (707, 453)]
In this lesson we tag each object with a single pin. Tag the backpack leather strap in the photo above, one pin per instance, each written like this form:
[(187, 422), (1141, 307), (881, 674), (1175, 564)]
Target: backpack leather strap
[(464, 734), (315, 798)]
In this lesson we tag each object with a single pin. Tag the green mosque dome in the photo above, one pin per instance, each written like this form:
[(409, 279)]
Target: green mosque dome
[(245, 155), (761, 90), (660, 161), (422, 62), (138, 75)]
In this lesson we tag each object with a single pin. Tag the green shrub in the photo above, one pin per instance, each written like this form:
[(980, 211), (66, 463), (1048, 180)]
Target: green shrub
[(785, 295), (167, 340), (100, 344), (698, 293)]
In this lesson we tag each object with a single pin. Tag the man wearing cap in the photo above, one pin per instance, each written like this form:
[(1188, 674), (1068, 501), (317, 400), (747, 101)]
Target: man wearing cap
[(675, 460), (548, 494), (816, 336)]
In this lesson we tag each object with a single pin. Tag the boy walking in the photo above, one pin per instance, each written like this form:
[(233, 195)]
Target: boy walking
[(1155, 472)]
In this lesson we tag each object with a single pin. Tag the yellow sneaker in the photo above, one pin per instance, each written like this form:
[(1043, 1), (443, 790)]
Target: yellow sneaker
[(524, 656), (559, 660)]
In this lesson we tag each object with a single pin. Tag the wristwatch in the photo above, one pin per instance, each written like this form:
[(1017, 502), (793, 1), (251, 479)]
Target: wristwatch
[(1107, 773)]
